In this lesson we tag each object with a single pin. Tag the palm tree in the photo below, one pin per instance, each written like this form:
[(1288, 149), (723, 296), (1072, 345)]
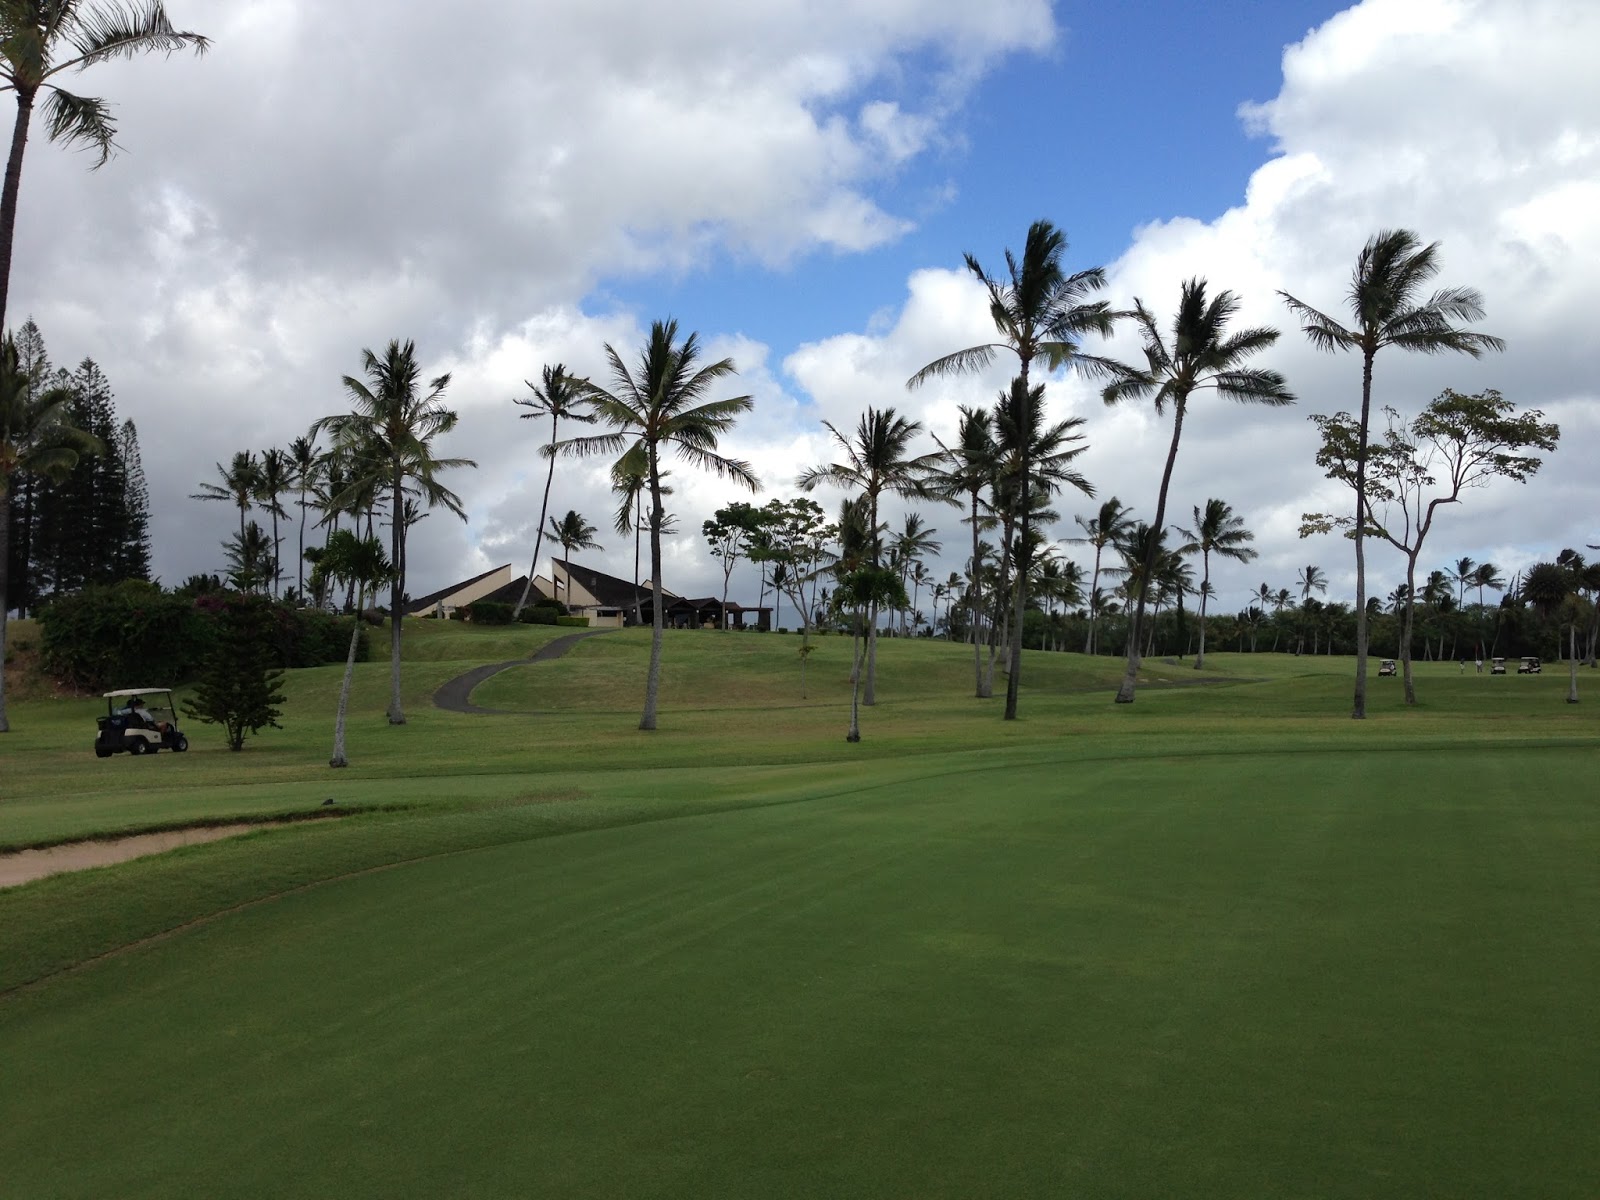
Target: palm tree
[(303, 460), (274, 477), (361, 562), (1552, 589), (240, 486), (1311, 579), (630, 479), (961, 473), (1107, 527), (1487, 575), (32, 34), (1216, 530), (1200, 355), (250, 559), (560, 396), (1038, 311), (1021, 436), (913, 541), (1384, 299), (1463, 571), (658, 405), (37, 438), (390, 439), (867, 588), (572, 532), (877, 460)]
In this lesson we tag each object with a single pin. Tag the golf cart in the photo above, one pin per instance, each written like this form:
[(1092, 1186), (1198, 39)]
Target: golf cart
[(1529, 666), (131, 725), (1497, 667), (1386, 667)]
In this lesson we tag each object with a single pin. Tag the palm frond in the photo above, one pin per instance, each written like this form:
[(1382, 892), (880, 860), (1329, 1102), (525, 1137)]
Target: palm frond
[(80, 120), (963, 362), (125, 30)]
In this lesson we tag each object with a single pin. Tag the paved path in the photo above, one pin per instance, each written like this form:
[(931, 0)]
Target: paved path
[(456, 695)]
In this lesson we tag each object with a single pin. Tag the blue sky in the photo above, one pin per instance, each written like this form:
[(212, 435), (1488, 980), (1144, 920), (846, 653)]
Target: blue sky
[(1132, 116)]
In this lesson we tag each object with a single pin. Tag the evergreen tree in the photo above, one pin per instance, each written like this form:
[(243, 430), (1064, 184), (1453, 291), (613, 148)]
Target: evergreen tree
[(132, 559), (33, 362), (238, 685)]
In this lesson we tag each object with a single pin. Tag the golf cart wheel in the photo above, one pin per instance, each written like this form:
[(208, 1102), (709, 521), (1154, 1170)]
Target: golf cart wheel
[(180, 743), (101, 752), (136, 745)]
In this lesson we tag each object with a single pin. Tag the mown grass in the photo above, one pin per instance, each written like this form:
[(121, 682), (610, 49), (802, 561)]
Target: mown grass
[(1222, 942)]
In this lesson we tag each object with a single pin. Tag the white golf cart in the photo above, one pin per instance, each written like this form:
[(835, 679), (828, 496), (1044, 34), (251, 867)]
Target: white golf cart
[(133, 725)]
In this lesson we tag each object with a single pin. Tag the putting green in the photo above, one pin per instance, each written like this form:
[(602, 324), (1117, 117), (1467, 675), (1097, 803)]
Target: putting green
[(1298, 974)]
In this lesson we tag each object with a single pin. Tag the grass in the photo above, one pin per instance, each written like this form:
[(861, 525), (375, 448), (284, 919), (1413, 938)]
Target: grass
[(1223, 942)]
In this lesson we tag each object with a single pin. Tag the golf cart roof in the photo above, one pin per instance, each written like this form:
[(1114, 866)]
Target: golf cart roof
[(133, 692)]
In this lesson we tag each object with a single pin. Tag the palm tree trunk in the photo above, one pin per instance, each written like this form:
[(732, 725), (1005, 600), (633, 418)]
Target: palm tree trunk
[(339, 759), (638, 513), (1094, 607), (276, 554), (5, 583), (854, 733), (300, 581), (871, 697), (396, 551), (1358, 710), (1572, 662), (1025, 502), (976, 598), (652, 683), (1205, 586), (538, 537), (8, 195), (1406, 624), (1129, 678)]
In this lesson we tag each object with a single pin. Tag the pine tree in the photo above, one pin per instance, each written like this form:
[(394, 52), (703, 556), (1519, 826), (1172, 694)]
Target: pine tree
[(133, 551), (238, 684), (34, 362)]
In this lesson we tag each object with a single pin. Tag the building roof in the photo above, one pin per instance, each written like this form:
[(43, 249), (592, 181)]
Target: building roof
[(608, 590), (433, 598)]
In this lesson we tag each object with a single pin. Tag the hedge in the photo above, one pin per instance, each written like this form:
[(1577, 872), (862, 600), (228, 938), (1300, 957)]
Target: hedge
[(135, 634)]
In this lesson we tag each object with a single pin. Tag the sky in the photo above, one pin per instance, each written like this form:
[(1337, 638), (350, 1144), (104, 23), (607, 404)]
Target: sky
[(516, 184)]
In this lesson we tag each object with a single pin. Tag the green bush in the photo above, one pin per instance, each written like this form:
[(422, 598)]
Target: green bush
[(125, 634), (576, 622), (489, 612), (135, 634), (538, 616)]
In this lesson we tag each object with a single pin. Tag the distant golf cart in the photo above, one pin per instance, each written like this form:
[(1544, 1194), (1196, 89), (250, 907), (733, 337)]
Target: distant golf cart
[(1386, 667), (1497, 666), (133, 725), (1529, 666)]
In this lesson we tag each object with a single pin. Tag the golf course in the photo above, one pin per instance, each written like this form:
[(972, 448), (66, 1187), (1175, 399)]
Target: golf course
[(1222, 942)]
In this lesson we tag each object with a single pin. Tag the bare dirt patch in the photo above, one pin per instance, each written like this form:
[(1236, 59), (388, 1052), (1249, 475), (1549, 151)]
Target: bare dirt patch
[(24, 866)]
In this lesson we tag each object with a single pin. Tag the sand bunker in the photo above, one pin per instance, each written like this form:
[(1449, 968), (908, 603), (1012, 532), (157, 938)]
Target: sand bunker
[(24, 866)]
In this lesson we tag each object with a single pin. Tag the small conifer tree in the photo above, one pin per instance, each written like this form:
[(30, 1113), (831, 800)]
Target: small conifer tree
[(238, 685)]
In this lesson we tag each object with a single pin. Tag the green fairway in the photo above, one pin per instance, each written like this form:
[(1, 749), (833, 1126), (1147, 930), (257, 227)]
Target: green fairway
[(1224, 942)]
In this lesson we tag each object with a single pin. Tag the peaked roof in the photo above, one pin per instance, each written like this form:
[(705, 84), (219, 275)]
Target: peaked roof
[(608, 590), (433, 598)]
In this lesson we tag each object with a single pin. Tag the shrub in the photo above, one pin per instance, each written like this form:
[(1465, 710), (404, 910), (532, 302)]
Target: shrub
[(107, 636), (133, 632), (576, 622), (489, 612)]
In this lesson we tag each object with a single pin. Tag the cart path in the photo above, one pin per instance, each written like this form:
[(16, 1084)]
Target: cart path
[(456, 694)]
